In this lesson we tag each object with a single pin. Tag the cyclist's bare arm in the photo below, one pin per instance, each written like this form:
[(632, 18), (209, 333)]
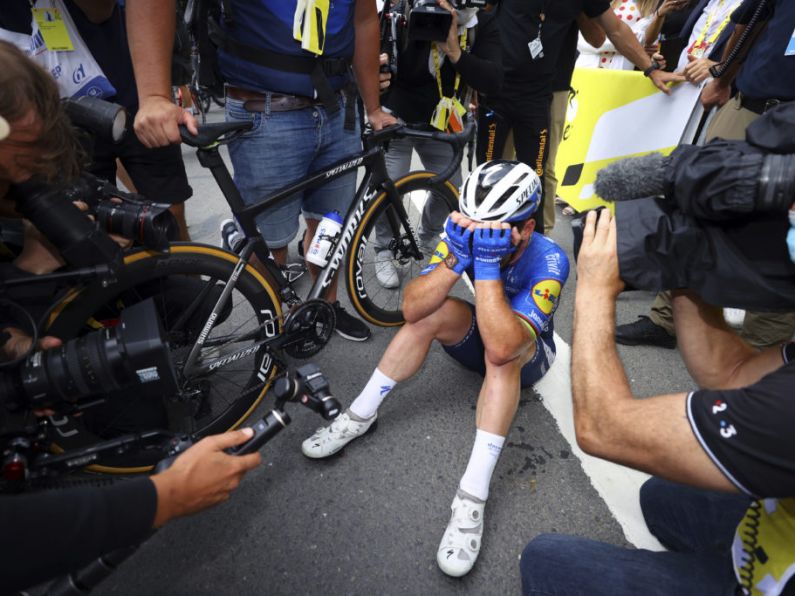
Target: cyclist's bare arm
[(150, 28), (426, 293), (505, 336)]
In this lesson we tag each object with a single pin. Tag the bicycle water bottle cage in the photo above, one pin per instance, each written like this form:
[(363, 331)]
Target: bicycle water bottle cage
[(211, 134)]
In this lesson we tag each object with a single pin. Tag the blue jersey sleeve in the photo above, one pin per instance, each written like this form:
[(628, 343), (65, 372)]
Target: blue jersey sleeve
[(539, 297)]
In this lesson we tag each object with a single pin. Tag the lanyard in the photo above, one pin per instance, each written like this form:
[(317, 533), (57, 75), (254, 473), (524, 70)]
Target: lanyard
[(462, 41), (700, 39)]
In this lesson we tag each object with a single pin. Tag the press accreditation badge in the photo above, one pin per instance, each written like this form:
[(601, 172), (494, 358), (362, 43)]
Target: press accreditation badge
[(791, 46), (53, 29), (536, 49)]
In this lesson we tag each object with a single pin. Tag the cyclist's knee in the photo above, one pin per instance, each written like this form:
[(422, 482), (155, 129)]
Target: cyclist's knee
[(447, 324)]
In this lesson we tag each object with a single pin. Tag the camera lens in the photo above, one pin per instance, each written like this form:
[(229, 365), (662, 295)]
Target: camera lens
[(133, 354), (152, 224)]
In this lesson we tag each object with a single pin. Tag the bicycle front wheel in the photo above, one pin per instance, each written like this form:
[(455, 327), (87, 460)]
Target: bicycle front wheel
[(379, 263), (185, 284)]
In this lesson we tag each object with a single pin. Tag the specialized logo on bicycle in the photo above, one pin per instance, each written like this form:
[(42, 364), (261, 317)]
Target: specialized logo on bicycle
[(354, 163), (546, 294)]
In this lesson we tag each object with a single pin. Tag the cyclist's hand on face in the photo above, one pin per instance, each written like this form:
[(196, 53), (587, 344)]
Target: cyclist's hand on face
[(203, 476), (491, 242), (458, 230), (157, 120)]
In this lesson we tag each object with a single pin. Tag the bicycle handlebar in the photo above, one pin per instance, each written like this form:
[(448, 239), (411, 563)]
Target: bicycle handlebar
[(457, 140)]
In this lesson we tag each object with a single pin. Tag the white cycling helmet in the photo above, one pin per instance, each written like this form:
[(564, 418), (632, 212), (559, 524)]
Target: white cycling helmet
[(500, 190)]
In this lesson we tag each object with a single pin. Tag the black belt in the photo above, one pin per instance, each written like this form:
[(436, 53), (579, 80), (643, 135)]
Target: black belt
[(758, 106), (279, 102)]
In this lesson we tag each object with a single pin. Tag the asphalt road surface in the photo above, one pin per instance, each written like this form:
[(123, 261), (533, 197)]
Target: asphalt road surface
[(369, 521)]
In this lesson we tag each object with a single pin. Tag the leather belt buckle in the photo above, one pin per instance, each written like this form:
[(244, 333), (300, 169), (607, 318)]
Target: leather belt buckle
[(770, 104)]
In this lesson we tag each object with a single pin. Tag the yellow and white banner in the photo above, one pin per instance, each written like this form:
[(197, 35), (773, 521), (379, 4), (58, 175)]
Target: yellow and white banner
[(613, 114)]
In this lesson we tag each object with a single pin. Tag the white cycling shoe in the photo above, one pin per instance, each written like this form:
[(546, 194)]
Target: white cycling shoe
[(460, 544), (385, 271), (330, 439)]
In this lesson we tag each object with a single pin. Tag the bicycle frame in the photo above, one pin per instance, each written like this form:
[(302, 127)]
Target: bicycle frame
[(375, 179)]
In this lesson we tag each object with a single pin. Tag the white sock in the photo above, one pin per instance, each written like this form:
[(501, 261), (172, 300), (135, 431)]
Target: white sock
[(377, 388), (485, 453)]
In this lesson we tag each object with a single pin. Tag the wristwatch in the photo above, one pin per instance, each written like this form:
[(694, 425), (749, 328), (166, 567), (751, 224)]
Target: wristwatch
[(654, 66)]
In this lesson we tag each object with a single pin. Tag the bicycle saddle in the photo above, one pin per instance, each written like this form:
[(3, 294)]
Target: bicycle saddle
[(210, 133)]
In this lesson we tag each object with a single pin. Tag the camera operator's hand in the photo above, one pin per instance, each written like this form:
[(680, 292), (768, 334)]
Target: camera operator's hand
[(597, 263), (157, 120), (203, 476), (384, 78), (714, 94), (450, 47), (697, 69), (18, 343)]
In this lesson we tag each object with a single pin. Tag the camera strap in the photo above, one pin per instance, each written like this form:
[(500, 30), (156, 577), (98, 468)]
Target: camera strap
[(449, 112)]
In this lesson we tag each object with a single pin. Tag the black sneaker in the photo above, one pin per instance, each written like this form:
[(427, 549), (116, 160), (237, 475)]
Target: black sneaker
[(644, 332), (349, 326)]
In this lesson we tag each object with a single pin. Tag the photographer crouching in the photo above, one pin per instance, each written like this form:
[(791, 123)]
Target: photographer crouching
[(722, 498), (74, 526)]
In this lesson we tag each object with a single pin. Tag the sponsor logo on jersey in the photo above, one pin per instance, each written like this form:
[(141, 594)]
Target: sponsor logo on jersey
[(546, 294), (439, 253)]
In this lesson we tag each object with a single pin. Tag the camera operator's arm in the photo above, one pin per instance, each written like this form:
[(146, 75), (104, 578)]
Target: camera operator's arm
[(629, 47), (150, 29), (651, 434), (52, 533), (714, 355), (480, 69), (366, 63)]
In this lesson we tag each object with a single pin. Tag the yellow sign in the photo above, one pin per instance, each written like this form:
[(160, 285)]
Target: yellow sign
[(613, 114), (53, 29)]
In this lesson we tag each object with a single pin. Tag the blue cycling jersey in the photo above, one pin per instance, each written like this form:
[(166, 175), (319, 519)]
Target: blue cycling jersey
[(532, 284)]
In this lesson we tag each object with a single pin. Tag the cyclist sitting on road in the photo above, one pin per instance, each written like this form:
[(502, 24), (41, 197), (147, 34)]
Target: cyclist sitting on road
[(506, 336)]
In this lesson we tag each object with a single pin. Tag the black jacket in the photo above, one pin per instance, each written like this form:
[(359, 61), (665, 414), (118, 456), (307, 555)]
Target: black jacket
[(714, 233), (414, 93)]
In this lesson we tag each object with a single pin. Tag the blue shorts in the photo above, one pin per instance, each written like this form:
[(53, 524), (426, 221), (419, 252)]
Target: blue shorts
[(284, 147), (471, 353)]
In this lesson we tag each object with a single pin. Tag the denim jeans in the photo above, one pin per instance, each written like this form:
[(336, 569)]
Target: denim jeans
[(697, 525), (284, 147), (435, 157)]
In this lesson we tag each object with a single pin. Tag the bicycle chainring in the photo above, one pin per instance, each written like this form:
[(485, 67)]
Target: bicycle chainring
[(308, 328)]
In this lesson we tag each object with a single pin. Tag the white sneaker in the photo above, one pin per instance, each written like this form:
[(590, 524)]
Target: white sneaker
[(734, 317), (460, 544), (385, 270), (330, 439)]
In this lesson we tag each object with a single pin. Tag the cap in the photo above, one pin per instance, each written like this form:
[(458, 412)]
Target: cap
[(4, 128)]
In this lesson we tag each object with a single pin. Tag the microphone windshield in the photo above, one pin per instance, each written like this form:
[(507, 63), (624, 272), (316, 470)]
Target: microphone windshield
[(632, 178)]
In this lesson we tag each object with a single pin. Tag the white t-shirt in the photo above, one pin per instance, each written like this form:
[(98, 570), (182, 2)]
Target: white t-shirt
[(714, 18)]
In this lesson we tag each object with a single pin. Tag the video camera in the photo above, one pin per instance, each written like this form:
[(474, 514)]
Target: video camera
[(132, 355), (710, 218), (424, 20)]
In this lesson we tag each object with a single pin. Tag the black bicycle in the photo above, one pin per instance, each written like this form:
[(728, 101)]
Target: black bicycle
[(223, 319)]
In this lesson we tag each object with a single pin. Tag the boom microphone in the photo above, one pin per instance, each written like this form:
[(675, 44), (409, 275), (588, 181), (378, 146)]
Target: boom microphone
[(632, 178)]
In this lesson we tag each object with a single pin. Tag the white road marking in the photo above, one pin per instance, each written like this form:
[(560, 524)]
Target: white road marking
[(617, 485)]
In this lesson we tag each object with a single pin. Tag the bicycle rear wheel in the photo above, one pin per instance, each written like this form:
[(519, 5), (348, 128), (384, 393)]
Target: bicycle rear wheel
[(185, 284), (375, 303)]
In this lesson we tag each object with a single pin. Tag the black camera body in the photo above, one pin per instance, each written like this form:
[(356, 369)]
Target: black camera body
[(710, 218), (427, 21)]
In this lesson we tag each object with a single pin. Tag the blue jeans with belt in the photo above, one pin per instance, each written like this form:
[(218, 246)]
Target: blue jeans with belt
[(284, 147), (696, 525)]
